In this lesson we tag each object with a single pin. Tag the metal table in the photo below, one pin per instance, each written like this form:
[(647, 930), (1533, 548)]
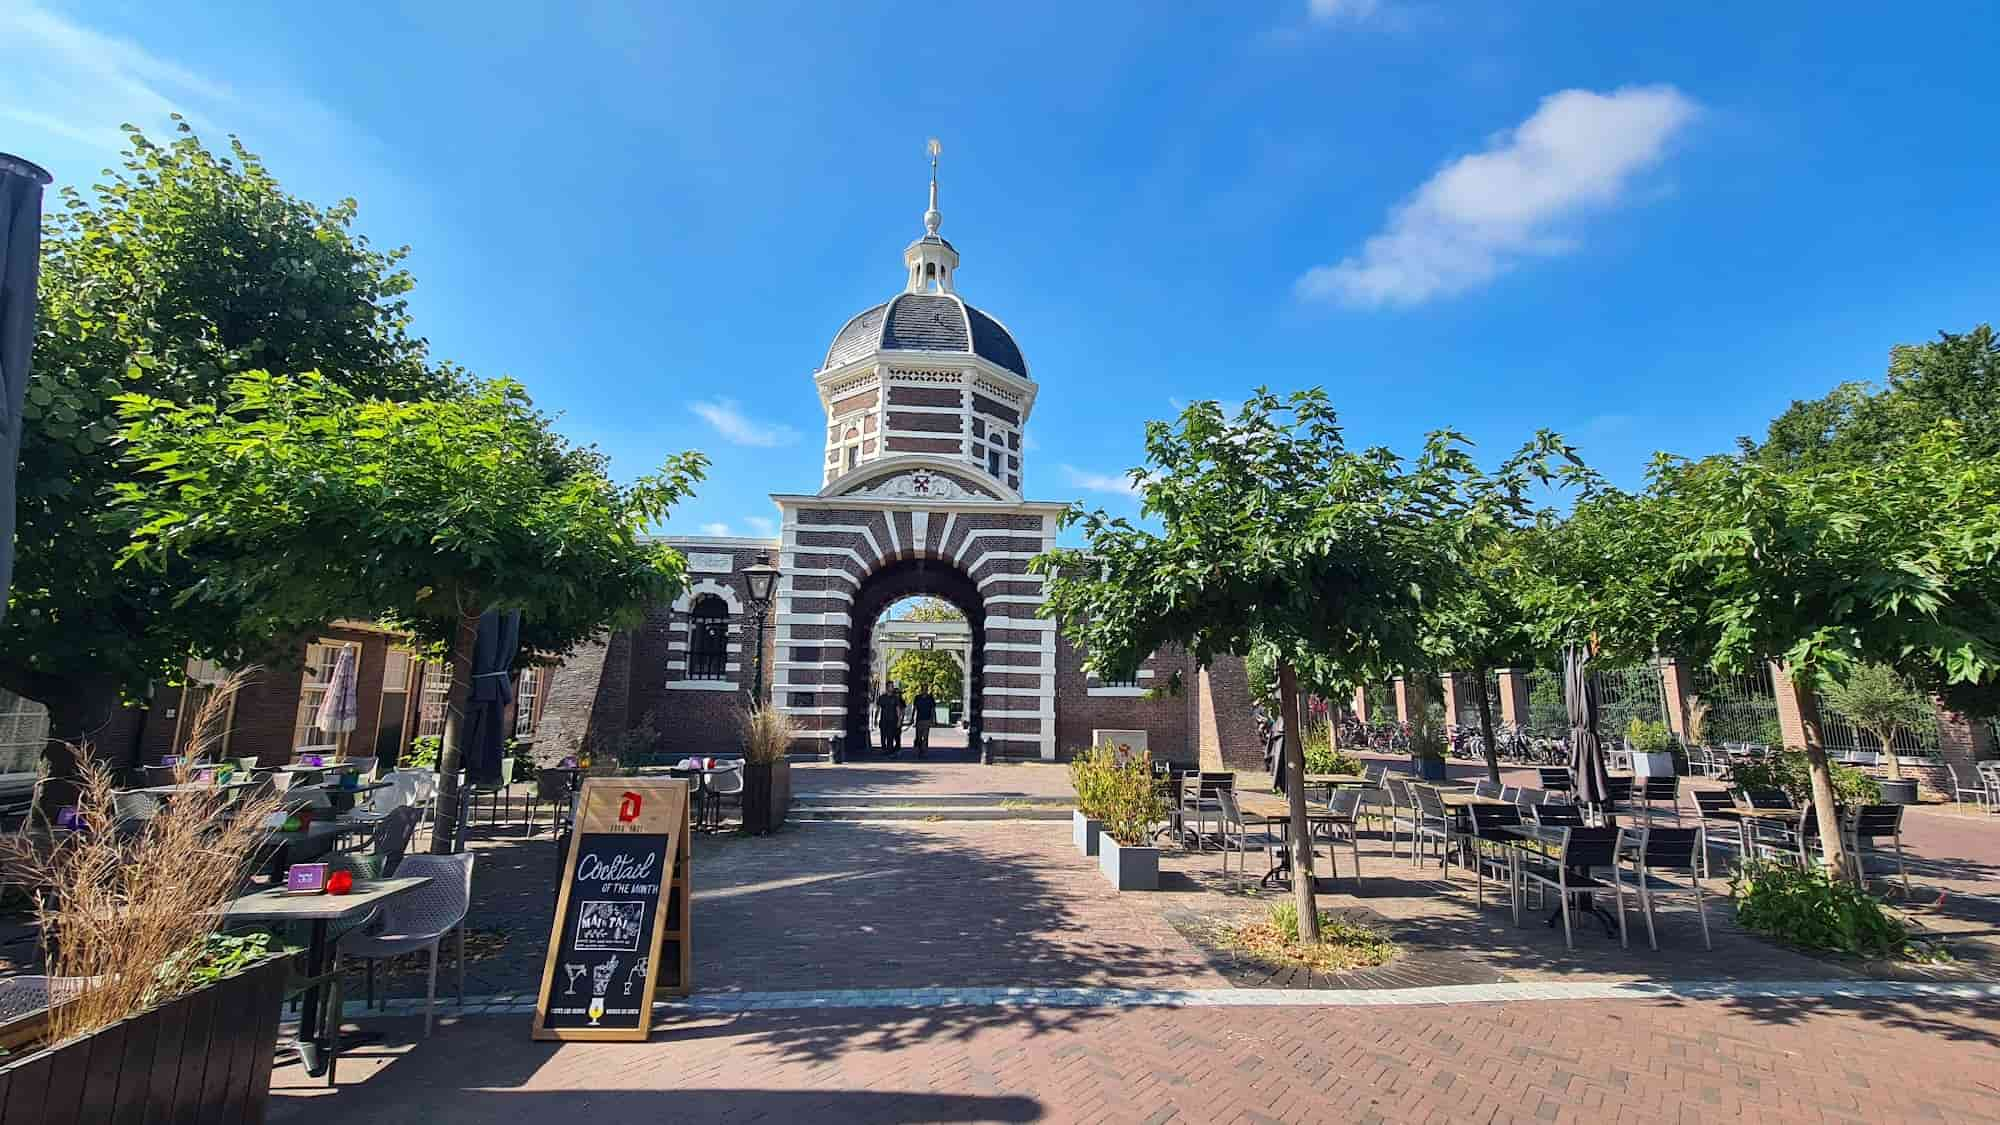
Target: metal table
[(321, 911)]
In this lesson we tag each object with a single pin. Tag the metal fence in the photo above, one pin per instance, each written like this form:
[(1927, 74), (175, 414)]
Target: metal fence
[(1742, 707), (1840, 736), (1625, 694), (1468, 699), (1547, 716), (24, 730)]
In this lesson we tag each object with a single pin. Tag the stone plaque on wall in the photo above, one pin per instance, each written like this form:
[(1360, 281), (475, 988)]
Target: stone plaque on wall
[(709, 562)]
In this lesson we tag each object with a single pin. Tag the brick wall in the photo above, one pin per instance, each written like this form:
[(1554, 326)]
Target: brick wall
[(1164, 720)]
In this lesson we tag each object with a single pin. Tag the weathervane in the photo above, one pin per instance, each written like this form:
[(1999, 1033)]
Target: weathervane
[(933, 217)]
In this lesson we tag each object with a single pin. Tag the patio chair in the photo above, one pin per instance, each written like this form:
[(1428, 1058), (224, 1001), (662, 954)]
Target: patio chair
[(1618, 789), (1241, 833), (496, 793), (551, 789), (721, 788), (1666, 789), (1873, 823), (1493, 849), (1568, 871), (1486, 788), (1527, 797), (1510, 794), (1716, 815), (1402, 812), (419, 920), (1342, 822), (1201, 802), (1766, 799), (1556, 779), (1433, 821), (1960, 791), (1553, 814), (1374, 773), (1663, 850)]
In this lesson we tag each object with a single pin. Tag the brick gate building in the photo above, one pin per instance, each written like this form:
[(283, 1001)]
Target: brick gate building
[(927, 401)]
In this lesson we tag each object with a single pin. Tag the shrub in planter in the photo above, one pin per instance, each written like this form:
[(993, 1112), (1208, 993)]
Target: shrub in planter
[(1804, 908), (767, 773), (1131, 806), (1322, 757), (1087, 777), (1788, 771)]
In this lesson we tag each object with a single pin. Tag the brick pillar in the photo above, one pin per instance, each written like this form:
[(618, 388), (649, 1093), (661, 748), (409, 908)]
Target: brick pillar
[(1673, 689), (1513, 695), (1361, 703), (1227, 735), (1798, 709), (1451, 690), (1402, 700)]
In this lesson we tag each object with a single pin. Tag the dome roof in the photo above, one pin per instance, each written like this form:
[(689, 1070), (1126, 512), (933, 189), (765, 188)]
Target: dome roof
[(926, 322)]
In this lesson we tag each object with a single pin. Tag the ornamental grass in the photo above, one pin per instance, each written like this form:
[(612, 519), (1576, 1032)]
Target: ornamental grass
[(767, 735), (126, 906)]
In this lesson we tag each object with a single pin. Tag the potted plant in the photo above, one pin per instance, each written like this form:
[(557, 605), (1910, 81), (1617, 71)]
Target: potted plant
[(1427, 755), (1086, 777), (1131, 805), (1882, 703), (1652, 746), (139, 962), (767, 772)]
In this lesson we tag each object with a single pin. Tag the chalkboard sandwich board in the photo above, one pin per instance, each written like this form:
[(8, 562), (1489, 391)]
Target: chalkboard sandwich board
[(603, 964)]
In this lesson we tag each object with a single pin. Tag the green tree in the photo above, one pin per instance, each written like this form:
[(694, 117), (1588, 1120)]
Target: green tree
[(1479, 627), (934, 671), (1876, 698), (293, 499), (1273, 531), (169, 277), (1954, 378), (1834, 566)]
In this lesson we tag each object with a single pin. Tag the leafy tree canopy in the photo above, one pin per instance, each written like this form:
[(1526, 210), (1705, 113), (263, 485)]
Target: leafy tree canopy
[(295, 500), (170, 277), (1953, 378)]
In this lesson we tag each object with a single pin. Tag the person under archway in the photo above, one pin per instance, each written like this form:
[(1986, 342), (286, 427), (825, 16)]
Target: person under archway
[(926, 707), (889, 719)]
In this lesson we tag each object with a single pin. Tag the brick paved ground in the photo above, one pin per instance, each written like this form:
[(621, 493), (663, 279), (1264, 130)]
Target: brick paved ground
[(1594, 1061)]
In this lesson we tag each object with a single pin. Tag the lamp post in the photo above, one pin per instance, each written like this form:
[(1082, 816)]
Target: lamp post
[(762, 578)]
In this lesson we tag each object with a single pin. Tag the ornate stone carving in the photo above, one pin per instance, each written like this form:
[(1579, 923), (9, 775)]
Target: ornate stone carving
[(921, 484)]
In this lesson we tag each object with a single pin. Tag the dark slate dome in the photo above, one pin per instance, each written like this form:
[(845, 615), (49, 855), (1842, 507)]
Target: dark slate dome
[(927, 322)]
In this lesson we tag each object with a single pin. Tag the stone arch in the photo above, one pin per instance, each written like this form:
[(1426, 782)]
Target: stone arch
[(883, 587), (709, 586)]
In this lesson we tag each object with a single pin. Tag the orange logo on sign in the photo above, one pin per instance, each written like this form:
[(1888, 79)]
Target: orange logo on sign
[(628, 807)]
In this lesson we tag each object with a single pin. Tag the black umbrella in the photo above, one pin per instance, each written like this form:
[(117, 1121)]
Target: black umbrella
[(484, 742), (21, 186), (1586, 753)]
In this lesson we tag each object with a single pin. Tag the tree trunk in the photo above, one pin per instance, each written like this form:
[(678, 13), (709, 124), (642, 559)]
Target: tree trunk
[(1295, 802), (1888, 740), (1824, 810), (1486, 726), (445, 832)]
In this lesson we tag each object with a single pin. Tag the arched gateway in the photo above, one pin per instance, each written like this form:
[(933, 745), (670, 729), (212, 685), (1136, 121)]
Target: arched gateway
[(927, 403)]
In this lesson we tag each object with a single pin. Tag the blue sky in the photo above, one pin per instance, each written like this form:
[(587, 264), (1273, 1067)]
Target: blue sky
[(1647, 226)]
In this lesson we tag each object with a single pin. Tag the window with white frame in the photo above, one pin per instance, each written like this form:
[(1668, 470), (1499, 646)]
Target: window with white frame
[(321, 657), (396, 668), (433, 700), (527, 693)]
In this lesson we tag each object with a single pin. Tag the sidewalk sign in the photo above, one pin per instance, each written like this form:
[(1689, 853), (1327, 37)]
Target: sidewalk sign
[(625, 886)]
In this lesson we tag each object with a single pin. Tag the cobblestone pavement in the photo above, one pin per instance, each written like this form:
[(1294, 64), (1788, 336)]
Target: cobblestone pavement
[(1595, 1061)]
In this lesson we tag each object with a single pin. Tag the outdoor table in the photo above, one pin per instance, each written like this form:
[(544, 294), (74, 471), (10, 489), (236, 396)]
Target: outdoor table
[(341, 797), (1337, 780), (1538, 840), (1269, 812), (321, 910), (194, 787)]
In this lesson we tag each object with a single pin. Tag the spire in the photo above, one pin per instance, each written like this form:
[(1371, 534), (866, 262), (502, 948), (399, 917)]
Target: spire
[(931, 259), (933, 216)]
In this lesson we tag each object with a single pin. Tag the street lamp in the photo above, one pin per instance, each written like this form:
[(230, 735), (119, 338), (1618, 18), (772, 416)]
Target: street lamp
[(762, 578)]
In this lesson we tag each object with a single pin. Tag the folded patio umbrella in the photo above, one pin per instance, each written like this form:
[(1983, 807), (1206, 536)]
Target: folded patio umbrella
[(340, 710), (484, 742), (21, 186), (1586, 752)]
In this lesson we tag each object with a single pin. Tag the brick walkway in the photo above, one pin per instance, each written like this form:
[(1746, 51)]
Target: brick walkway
[(1762, 1060)]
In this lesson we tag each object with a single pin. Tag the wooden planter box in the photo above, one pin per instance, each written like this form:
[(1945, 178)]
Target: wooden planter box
[(1128, 868), (767, 797), (1084, 832), (205, 1056)]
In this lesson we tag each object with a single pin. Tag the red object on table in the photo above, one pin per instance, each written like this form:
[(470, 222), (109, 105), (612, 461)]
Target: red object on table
[(340, 882)]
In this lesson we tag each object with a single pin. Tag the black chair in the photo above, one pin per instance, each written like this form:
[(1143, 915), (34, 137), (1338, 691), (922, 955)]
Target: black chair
[(1486, 788), (1568, 871), (1493, 848), (1557, 815), (1666, 789), (1766, 799), (1719, 821), (1618, 790), (1873, 823), (1663, 850), (1556, 779)]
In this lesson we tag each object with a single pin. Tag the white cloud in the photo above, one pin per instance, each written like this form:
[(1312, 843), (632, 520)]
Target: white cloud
[(1120, 485), (733, 424), (1329, 11), (715, 529), (63, 79), (761, 525), (1480, 215)]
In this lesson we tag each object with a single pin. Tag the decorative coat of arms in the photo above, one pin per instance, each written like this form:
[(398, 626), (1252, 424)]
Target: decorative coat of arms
[(921, 484)]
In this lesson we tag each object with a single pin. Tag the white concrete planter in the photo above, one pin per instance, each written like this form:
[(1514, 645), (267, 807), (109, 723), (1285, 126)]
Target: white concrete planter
[(1128, 868), (1084, 832), (1653, 765)]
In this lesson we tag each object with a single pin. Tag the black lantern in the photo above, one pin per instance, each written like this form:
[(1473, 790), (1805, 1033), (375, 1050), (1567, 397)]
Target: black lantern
[(762, 579)]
